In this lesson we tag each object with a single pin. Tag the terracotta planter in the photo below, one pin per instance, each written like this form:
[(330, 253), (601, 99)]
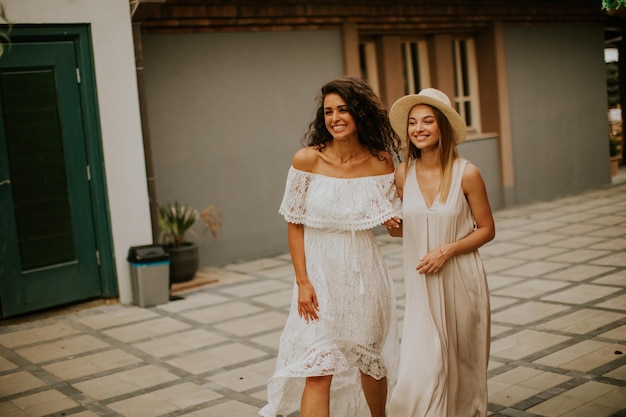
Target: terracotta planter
[(184, 262), (615, 160)]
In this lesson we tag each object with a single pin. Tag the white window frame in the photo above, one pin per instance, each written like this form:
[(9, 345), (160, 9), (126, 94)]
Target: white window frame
[(411, 85), (466, 83), (370, 65)]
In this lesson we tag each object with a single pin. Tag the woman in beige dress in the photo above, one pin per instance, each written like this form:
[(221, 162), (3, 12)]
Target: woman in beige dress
[(446, 217)]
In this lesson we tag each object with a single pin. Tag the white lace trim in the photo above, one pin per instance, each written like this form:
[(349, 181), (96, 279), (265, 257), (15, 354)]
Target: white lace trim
[(333, 359), (343, 204)]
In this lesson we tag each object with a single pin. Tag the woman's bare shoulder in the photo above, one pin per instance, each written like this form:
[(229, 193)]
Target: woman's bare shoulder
[(400, 173), (472, 178), (401, 169), (383, 163), (305, 159), (471, 172)]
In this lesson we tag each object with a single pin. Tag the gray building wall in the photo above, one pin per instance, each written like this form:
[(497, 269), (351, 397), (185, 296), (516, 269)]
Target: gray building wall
[(228, 110), (226, 113), (559, 128), (484, 154)]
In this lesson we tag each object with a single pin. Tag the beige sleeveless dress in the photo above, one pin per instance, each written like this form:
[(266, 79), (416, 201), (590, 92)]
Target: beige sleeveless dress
[(445, 339)]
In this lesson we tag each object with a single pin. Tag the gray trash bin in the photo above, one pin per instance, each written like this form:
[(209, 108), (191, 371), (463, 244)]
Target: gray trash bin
[(150, 274)]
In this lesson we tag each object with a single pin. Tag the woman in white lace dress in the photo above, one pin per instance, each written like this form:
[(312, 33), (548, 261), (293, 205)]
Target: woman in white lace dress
[(446, 217), (339, 349)]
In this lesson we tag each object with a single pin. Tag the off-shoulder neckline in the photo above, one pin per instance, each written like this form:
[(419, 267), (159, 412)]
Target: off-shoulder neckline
[(340, 178)]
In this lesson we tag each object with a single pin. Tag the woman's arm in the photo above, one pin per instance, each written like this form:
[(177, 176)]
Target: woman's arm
[(476, 194), (394, 225), (307, 299), (304, 159)]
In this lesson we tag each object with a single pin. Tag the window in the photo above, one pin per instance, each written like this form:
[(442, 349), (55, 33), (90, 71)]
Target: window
[(415, 66), (466, 83), (369, 66)]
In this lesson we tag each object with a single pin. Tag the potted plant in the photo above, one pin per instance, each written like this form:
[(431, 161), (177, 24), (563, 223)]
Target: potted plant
[(175, 222)]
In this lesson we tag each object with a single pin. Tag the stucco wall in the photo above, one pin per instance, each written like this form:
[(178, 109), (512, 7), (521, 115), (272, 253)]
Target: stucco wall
[(484, 154), (557, 91), (118, 105), (226, 113)]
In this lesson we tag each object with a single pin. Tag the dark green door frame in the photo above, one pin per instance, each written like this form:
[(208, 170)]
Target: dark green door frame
[(80, 35)]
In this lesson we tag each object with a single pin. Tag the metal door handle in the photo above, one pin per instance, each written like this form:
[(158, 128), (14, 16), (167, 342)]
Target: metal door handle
[(7, 182)]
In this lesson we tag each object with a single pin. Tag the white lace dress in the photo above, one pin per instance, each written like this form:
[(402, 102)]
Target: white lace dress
[(356, 329)]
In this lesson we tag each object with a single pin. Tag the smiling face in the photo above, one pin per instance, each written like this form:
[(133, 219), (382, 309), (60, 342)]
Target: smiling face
[(423, 129), (337, 118)]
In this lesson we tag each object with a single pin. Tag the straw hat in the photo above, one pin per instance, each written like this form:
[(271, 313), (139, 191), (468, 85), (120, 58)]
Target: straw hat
[(399, 113)]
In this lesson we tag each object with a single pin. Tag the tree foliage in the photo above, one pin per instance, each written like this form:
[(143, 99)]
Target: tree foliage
[(613, 4)]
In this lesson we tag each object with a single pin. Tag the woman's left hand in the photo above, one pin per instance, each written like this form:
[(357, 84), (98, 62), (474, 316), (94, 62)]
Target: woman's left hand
[(433, 261)]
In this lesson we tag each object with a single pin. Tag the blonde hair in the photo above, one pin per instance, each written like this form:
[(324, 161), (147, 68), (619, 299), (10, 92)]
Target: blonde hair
[(448, 152)]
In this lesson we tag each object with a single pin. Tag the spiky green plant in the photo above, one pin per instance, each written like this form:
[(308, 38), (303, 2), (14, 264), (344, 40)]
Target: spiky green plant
[(175, 220)]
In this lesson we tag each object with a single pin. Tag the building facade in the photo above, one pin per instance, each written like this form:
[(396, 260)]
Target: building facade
[(204, 102), (231, 88)]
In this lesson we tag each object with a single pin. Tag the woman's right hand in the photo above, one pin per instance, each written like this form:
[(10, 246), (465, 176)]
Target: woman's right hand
[(394, 226), (307, 302)]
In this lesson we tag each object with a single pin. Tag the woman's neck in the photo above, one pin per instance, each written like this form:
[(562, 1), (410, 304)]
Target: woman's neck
[(430, 159), (345, 152)]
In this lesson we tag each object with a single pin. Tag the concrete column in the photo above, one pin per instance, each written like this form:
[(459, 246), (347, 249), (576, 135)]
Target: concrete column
[(506, 144)]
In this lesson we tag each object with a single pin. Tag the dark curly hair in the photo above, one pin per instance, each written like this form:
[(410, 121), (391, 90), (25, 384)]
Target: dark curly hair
[(370, 116)]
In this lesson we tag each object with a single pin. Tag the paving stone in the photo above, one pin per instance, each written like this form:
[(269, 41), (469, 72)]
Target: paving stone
[(557, 273)]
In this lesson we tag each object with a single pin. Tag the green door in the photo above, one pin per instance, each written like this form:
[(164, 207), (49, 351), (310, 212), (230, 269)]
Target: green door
[(48, 250)]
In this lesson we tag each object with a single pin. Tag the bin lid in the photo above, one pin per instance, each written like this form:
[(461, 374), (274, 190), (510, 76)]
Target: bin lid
[(147, 254)]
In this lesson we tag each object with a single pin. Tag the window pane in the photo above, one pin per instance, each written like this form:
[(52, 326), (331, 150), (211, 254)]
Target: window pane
[(464, 67), (416, 67), (406, 60), (368, 64), (468, 113), (466, 83), (457, 78), (362, 60), (37, 167), (415, 63)]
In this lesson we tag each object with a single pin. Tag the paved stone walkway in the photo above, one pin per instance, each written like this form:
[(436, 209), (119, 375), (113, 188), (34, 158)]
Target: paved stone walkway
[(557, 274)]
